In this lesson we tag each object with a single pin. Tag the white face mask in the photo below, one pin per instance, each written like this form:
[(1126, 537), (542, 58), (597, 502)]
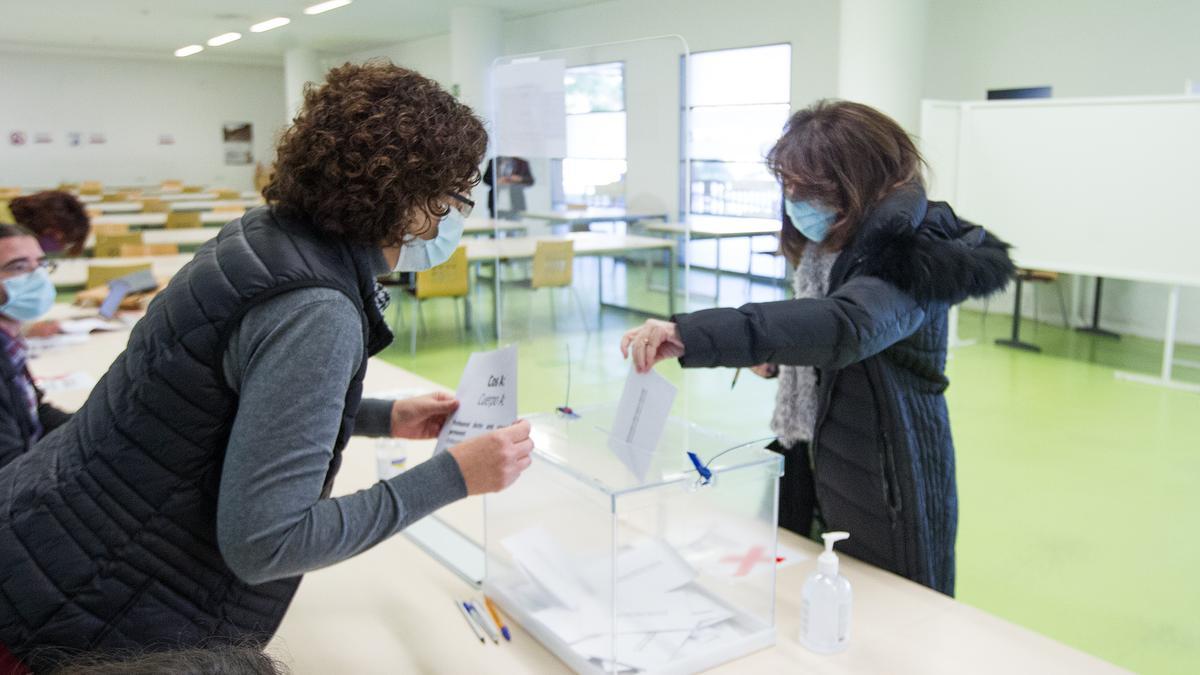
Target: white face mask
[(418, 255)]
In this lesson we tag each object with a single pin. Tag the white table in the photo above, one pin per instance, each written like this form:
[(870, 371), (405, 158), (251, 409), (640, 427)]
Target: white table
[(183, 237), (582, 218), (171, 196), (718, 229), (192, 205), (72, 272), (388, 609), (151, 220), (587, 244)]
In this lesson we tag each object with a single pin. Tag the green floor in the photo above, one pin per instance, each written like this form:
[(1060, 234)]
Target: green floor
[(1079, 493)]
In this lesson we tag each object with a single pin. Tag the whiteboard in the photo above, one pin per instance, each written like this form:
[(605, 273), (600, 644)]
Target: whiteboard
[(1103, 187)]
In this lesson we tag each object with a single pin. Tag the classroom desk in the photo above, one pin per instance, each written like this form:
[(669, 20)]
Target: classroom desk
[(587, 244), (152, 220), (192, 205), (185, 237), (388, 609), (582, 218), (724, 228), (172, 196), (72, 272)]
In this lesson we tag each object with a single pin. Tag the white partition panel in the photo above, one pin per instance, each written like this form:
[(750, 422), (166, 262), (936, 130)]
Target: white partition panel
[(1104, 187)]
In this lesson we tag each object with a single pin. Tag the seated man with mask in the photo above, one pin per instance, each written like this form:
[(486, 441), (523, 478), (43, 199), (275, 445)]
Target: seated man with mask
[(26, 293)]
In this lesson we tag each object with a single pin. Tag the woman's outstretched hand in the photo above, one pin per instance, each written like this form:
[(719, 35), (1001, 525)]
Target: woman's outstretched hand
[(650, 343)]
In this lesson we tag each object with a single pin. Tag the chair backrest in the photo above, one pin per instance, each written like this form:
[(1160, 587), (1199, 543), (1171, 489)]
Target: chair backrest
[(140, 250), (9, 192), (553, 263), (68, 187), (109, 229), (99, 275), (116, 197), (91, 187), (6, 216), (182, 219), (193, 189), (451, 279), (229, 194), (155, 206), (230, 210), (171, 185), (109, 245)]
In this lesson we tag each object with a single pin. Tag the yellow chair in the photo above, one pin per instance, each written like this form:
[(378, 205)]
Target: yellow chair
[(91, 187), (68, 187), (553, 267), (171, 185), (193, 189), (9, 192), (183, 219), (99, 275), (109, 229), (109, 245), (229, 210), (228, 195), (116, 197), (143, 250), (155, 206), (451, 279), (6, 216)]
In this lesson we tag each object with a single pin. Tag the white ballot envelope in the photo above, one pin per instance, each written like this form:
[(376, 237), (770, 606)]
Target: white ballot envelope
[(487, 397), (640, 420)]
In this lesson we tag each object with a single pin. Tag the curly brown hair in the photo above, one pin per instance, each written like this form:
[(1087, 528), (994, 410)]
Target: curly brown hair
[(374, 150), (55, 216), (845, 155)]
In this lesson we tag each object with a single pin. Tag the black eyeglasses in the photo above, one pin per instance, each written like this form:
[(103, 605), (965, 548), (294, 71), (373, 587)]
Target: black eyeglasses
[(23, 266), (465, 206)]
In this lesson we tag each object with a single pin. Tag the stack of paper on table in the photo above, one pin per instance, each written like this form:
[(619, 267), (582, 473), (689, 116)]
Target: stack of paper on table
[(659, 613)]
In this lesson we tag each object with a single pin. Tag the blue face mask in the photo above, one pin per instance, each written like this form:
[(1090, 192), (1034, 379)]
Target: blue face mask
[(419, 255), (29, 295), (810, 218)]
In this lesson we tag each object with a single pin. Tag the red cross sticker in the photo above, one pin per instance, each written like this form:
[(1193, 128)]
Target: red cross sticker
[(747, 562)]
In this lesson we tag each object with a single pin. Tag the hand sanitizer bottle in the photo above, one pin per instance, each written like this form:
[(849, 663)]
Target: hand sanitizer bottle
[(825, 609)]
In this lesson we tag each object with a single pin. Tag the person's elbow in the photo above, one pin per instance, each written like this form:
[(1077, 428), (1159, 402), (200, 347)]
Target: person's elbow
[(249, 561)]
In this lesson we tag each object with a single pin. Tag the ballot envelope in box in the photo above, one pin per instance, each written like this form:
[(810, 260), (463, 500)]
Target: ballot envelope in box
[(622, 559)]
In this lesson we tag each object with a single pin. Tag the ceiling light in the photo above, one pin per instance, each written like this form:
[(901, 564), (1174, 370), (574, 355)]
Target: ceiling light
[(264, 26), (188, 50), (224, 39), (325, 6)]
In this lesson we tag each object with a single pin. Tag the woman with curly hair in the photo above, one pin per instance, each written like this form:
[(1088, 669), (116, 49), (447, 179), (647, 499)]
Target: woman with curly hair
[(182, 503)]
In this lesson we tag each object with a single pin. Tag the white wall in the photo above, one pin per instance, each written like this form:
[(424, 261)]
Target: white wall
[(1081, 48), (881, 53), (429, 56), (133, 102)]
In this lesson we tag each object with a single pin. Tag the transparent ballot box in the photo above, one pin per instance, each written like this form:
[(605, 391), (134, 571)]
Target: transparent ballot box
[(622, 560)]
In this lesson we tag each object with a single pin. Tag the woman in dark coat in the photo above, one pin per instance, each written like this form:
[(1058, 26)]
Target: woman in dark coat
[(861, 413)]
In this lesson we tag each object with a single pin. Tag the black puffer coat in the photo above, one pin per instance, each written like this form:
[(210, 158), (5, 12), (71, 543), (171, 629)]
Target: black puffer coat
[(883, 456)]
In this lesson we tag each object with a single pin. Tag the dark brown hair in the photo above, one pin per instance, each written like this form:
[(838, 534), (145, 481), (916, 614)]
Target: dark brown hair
[(844, 155), (373, 149), (54, 215), (226, 660)]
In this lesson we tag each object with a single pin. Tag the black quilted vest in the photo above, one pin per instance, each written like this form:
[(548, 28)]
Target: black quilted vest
[(108, 526)]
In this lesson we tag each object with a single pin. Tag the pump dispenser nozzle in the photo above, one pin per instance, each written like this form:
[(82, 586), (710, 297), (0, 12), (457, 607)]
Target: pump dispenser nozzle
[(827, 563)]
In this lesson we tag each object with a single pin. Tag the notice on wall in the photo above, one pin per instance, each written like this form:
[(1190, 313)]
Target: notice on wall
[(17, 138), (531, 109), (166, 139), (97, 138), (487, 397), (239, 143), (74, 138), (43, 137)]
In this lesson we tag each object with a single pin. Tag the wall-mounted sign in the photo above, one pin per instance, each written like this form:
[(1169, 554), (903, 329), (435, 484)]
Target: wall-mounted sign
[(43, 137), (239, 143), (166, 139), (74, 139), (17, 138), (97, 139)]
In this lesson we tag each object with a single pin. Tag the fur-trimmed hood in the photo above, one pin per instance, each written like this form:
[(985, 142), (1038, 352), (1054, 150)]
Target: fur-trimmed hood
[(924, 249)]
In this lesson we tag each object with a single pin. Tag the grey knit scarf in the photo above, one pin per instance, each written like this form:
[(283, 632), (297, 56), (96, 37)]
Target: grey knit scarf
[(796, 400)]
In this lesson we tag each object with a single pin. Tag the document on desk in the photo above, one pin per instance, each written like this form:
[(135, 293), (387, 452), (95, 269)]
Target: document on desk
[(487, 397), (640, 420)]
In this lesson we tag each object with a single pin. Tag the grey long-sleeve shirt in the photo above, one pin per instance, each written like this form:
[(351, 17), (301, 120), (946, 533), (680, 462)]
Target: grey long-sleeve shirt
[(291, 360)]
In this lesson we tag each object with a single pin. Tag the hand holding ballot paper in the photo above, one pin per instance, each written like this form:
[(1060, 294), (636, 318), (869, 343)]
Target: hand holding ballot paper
[(491, 447)]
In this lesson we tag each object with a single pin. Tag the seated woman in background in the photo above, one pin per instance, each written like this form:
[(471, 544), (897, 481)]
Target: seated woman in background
[(56, 218), (61, 226), (861, 415), (26, 293)]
